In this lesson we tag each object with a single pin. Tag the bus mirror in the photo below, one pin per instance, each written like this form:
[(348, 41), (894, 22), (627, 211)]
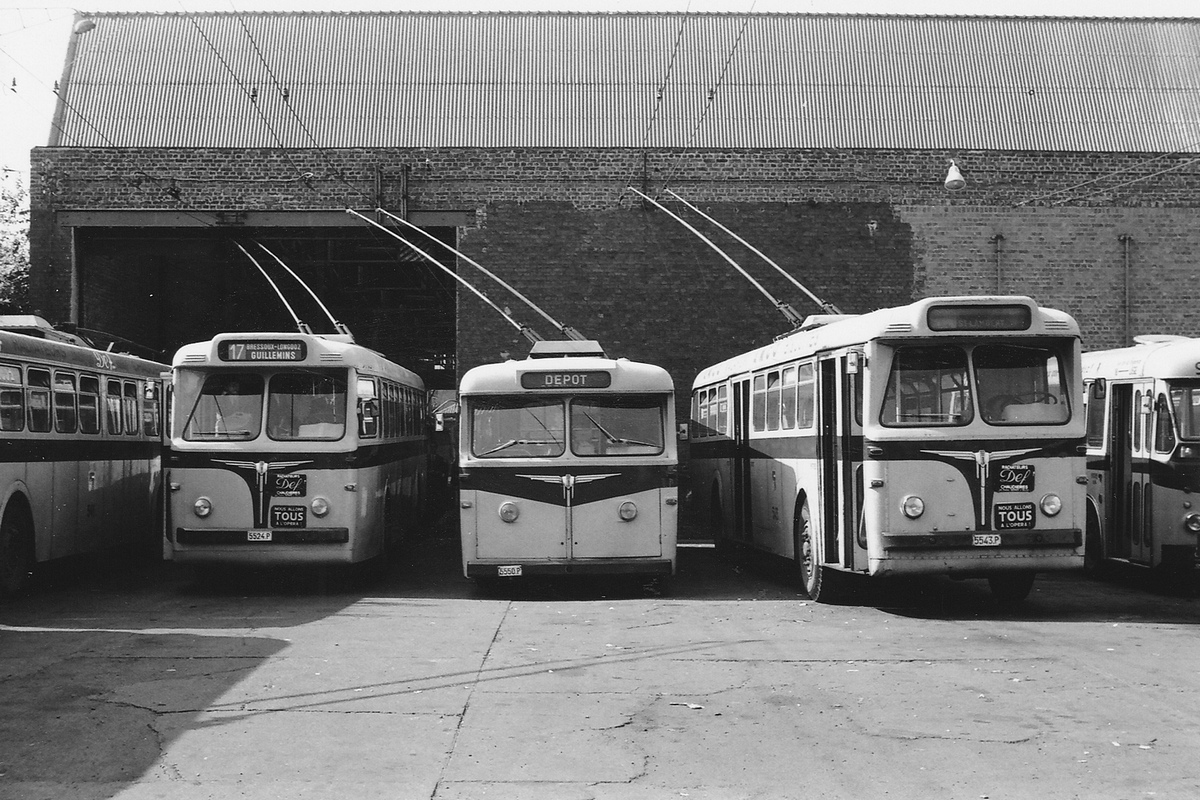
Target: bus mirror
[(681, 431), (1099, 389), (368, 417), (439, 422)]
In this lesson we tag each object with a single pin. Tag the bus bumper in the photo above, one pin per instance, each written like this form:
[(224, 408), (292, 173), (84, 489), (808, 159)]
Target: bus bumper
[(979, 553), (293, 546), (614, 566)]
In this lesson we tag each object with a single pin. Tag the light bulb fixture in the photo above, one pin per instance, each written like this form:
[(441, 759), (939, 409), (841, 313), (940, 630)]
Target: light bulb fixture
[(954, 179)]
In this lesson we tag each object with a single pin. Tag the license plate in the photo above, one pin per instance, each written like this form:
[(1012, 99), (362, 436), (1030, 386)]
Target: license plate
[(986, 540), (289, 516), (1015, 478), (258, 536), (1013, 516), (512, 571)]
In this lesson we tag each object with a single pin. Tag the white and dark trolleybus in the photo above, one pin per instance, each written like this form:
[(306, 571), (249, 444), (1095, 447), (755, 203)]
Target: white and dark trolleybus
[(1143, 454), (290, 448), (80, 465), (567, 464), (942, 437)]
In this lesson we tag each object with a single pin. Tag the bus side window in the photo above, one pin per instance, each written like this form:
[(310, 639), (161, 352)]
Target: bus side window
[(1164, 431), (722, 409), (89, 404), (805, 397), (129, 408), (787, 416), (39, 400), (12, 399), (773, 397), (112, 406), (1097, 399), (697, 405), (66, 415), (758, 403), (368, 409)]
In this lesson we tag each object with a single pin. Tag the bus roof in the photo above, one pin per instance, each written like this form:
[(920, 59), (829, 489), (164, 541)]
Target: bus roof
[(1153, 356), (290, 348), (79, 356), (932, 317), (566, 374)]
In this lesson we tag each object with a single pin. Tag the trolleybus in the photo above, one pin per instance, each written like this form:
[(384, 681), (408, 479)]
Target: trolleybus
[(567, 465), (291, 448), (80, 465), (941, 437), (1143, 450)]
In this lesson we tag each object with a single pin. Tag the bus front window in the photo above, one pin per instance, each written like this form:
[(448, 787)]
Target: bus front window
[(308, 405), (1185, 401), (617, 426), (1020, 385), (228, 406), (517, 427), (928, 385)]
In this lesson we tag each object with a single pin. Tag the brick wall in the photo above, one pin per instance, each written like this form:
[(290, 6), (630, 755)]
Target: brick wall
[(861, 229)]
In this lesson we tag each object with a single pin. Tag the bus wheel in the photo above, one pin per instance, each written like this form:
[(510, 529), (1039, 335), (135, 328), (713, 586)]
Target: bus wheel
[(807, 561), (16, 556), (1011, 587), (1093, 547)]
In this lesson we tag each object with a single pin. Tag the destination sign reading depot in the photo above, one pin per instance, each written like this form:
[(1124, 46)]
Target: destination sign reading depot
[(262, 350), (566, 379)]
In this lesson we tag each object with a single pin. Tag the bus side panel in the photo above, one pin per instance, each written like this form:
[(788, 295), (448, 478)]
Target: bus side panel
[(599, 532)]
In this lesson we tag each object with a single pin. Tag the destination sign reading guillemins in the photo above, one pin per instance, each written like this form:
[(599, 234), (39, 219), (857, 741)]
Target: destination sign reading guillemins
[(567, 379), (262, 350)]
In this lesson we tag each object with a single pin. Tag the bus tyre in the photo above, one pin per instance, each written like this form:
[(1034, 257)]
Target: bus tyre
[(16, 556), (807, 558), (1011, 587)]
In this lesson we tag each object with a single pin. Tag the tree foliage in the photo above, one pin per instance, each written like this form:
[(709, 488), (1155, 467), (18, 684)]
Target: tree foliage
[(14, 244)]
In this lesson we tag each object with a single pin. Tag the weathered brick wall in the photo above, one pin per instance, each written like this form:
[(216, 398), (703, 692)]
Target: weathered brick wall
[(860, 228)]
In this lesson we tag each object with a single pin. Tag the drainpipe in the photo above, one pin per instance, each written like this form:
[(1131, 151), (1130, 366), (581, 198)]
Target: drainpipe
[(997, 248), (1125, 239)]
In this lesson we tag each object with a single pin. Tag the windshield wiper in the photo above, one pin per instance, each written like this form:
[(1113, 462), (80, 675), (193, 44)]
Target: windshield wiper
[(612, 439), (513, 442)]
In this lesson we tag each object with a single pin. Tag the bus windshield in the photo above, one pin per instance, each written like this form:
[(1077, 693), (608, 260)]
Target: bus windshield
[(309, 405), (517, 427), (226, 405), (1185, 400), (617, 425), (1020, 385), (1016, 384)]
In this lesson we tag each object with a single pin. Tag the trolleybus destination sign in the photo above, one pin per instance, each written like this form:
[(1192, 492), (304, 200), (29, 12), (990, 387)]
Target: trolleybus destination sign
[(567, 379), (262, 350)]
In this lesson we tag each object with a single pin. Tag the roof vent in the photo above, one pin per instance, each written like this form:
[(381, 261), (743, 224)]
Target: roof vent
[(567, 349), (33, 325)]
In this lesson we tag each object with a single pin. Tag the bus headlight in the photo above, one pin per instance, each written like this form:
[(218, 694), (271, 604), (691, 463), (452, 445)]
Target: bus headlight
[(1189, 451), (912, 506), (627, 511), (509, 512), (1192, 523), (1051, 505), (202, 507), (320, 506)]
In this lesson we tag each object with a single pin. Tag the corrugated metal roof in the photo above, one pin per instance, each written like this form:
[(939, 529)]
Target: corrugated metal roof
[(661, 80)]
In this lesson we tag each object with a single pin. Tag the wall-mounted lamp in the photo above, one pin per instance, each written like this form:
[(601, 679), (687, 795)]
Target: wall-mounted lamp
[(84, 25), (954, 179)]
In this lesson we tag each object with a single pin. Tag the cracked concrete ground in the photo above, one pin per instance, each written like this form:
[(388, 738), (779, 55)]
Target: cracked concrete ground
[(152, 684)]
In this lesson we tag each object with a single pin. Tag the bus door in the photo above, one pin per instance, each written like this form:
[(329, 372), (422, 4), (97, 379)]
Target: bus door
[(740, 468), (840, 464), (1130, 485)]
